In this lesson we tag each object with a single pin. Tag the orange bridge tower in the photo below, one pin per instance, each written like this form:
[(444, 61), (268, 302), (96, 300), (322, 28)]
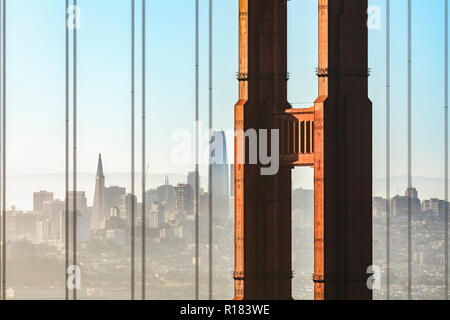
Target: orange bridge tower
[(334, 137)]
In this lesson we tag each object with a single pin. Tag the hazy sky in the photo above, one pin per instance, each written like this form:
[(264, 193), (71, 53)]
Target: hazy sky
[(35, 90)]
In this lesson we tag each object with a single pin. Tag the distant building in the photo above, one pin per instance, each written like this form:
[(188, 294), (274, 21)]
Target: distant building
[(303, 199), (82, 227), (400, 204), (302, 206), (184, 198), (166, 195), (125, 207), (157, 215), (44, 231), (39, 198), (52, 211), (220, 176), (412, 193), (112, 197), (151, 196), (105, 198), (81, 202), (435, 207), (379, 207), (114, 221), (11, 223), (99, 210), (191, 180), (220, 169)]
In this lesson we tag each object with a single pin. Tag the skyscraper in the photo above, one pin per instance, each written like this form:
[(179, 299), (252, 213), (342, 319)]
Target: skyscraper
[(412, 193), (219, 163), (192, 181), (39, 198), (166, 195), (44, 231), (98, 211), (220, 176), (184, 198), (81, 202), (157, 215), (112, 197), (52, 211), (83, 224), (125, 206)]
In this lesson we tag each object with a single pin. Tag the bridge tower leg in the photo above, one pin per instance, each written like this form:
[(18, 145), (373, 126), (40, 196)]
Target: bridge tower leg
[(343, 154), (263, 203)]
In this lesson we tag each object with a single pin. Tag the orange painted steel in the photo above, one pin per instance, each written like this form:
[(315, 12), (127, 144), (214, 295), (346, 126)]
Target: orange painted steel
[(334, 137)]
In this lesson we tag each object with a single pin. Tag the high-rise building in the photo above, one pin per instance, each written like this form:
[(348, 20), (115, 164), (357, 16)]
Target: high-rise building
[(81, 202), (184, 198), (112, 197), (83, 223), (400, 204), (52, 211), (166, 195), (151, 195), (98, 210), (44, 231), (191, 180), (125, 207), (435, 207), (412, 193), (379, 207), (220, 176), (219, 163), (39, 198), (157, 215), (114, 221)]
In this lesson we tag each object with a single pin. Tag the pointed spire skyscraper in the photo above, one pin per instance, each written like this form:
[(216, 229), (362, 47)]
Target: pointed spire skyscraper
[(98, 211), (100, 167)]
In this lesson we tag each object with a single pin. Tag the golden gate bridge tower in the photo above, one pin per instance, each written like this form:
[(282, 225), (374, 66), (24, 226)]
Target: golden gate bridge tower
[(334, 137)]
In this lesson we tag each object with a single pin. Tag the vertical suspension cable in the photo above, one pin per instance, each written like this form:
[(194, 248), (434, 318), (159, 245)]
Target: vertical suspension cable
[(197, 118), (4, 153), (132, 223), (210, 191), (75, 143), (1, 218), (446, 151), (388, 150), (66, 213), (143, 146), (409, 156)]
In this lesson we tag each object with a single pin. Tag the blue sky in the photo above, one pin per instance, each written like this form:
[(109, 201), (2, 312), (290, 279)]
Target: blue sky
[(35, 91)]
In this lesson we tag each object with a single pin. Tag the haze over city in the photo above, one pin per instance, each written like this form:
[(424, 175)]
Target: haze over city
[(186, 228)]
